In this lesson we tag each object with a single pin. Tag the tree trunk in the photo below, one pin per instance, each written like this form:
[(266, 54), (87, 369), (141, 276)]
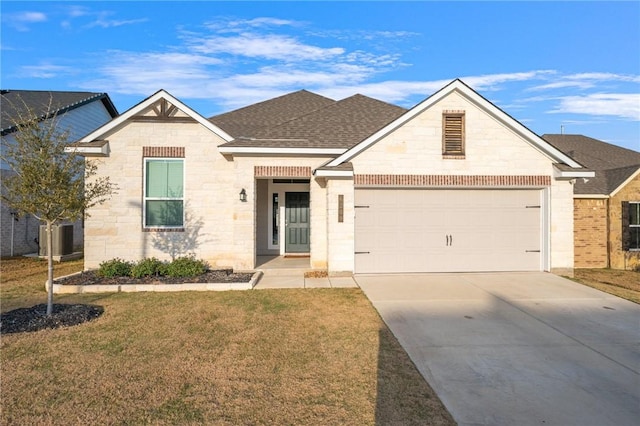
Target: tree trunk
[(49, 267)]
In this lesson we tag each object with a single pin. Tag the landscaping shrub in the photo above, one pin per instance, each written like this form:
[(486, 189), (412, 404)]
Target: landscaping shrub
[(148, 267), (115, 268), (186, 267)]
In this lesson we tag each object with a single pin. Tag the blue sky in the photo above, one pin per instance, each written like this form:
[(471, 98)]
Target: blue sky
[(547, 64)]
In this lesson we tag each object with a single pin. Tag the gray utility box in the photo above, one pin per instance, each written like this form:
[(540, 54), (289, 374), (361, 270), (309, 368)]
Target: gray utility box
[(62, 240)]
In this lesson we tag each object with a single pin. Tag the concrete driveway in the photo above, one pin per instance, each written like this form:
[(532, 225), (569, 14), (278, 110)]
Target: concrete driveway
[(517, 348)]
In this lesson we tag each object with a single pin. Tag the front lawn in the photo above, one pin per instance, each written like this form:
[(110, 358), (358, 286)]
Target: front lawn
[(625, 284), (307, 356)]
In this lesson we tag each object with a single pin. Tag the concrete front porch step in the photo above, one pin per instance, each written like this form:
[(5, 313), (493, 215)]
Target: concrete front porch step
[(279, 272)]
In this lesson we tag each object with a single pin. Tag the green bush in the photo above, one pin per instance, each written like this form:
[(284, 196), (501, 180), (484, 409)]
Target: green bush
[(148, 267), (186, 267), (115, 268)]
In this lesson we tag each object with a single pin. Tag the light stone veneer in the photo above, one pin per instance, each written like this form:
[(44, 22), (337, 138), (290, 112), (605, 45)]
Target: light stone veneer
[(222, 230), (219, 227), (491, 148)]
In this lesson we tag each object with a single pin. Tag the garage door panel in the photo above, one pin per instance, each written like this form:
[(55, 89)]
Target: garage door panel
[(447, 230)]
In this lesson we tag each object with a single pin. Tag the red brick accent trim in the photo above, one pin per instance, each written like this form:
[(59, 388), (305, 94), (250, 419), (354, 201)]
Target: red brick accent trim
[(451, 180), (163, 151), (282, 171)]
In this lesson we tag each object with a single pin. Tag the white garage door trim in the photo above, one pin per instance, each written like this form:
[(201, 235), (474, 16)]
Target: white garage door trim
[(424, 230)]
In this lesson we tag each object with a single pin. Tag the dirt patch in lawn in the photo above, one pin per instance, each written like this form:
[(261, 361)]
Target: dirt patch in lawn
[(625, 284)]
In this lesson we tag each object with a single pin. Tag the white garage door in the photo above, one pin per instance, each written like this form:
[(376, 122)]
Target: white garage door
[(415, 230)]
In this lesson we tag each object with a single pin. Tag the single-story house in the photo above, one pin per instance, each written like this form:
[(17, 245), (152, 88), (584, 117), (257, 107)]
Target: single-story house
[(607, 206), (357, 185), (77, 112)]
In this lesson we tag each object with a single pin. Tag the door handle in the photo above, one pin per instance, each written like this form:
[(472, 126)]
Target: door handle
[(450, 240)]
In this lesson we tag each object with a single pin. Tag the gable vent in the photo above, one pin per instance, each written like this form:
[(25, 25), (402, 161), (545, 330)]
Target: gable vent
[(453, 133)]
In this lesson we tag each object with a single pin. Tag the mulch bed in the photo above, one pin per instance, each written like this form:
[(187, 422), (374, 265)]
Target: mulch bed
[(35, 318), (213, 276)]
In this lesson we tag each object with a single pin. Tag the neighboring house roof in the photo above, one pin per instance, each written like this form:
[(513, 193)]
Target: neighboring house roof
[(613, 165), (304, 120), (472, 96), (45, 104)]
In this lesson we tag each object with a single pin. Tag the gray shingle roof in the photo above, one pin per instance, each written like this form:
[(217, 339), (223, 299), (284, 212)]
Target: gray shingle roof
[(612, 164), (15, 102), (251, 120), (305, 120)]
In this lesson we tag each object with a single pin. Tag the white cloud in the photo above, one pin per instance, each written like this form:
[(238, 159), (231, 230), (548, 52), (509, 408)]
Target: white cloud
[(625, 105), (235, 63), (45, 70), (241, 25), (89, 18), (103, 20), (22, 20), (272, 47), (585, 80), (136, 73), (492, 81)]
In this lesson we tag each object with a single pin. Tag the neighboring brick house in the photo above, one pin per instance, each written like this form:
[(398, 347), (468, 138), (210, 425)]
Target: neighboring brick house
[(78, 112), (606, 207), (356, 185)]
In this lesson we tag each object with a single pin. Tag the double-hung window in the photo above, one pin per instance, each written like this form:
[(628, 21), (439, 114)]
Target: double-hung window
[(164, 193), (631, 225)]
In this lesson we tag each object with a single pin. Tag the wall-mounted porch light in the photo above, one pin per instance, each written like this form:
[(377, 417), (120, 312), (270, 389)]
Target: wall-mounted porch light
[(243, 196)]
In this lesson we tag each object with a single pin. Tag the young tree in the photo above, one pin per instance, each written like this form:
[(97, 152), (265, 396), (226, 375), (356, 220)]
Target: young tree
[(48, 182)]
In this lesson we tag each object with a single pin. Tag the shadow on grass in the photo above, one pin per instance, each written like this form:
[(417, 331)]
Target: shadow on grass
[(35, 318), (403, 396)]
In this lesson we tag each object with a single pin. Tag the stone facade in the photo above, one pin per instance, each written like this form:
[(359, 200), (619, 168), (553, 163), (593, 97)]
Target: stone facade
[(495, 157), (228, 232)]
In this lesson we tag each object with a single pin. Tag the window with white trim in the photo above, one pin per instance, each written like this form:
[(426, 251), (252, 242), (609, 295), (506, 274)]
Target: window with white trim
[(164, 193), (631, 225)]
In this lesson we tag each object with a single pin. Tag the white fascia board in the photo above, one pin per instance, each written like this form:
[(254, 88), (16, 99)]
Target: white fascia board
[(96, 134), (572, 174), (473, 96), (333, 173), (89, 151), (256, 150)]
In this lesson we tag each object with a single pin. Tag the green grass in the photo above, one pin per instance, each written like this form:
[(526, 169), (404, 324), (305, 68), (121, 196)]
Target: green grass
[(303, 356)]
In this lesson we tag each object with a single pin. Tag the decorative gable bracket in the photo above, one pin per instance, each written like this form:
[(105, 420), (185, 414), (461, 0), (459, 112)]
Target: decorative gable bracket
[(162, 111)]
